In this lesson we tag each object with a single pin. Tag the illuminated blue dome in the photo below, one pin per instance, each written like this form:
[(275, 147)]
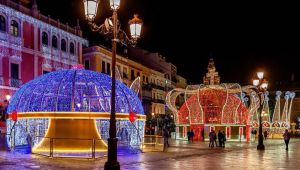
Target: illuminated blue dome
[(89, 91)]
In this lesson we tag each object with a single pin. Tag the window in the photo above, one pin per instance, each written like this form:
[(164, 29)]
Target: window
[(54, 41), (14, 28), (72, 48), (108, 68), (45, 38), (125, 73), (119, 68), (87, 64), (103, 67), (45, 72), (63, 45), (2, 23), (14, 71), (132, 74)]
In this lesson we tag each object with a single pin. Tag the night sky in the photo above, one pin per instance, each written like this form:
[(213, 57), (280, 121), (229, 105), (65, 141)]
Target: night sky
[(242, 38)]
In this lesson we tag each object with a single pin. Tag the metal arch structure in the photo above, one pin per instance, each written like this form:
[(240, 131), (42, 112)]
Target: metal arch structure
[(76, 95), (235, 105)]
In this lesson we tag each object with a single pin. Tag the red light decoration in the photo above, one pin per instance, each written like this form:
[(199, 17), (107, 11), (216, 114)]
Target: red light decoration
[(132, 117), (213, 106), (14, 115)]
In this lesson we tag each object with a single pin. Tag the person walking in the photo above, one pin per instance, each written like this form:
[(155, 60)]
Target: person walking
[(202, 134), (265, 134), (220, 138), (255, 133), (224, 139), (188, 135), (166, 138), (211, 139), (215, 138), (192, 135), (286, 137)]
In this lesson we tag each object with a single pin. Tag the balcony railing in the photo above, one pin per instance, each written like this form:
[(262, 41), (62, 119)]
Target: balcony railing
[(1, 81), (158, 101), (15, 40), (3, 36), (147, 87), (55, 53), (157, 86), (15, 83)]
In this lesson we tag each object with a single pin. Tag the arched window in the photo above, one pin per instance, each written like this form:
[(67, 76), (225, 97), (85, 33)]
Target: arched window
[(63, 45), (14, 28), (72, 48), (45, 38), (54, 41), (2, 23)]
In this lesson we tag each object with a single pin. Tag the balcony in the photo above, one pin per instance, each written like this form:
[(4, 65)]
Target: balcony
[(73, 59), (46, 51), (3, 36), (147, 99), (15, 83), (15, 40), (1, 81), (157, 87), (158, 101), (147, 87)]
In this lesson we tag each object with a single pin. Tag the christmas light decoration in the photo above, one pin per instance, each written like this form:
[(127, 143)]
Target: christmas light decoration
[(79, 95), (227, 105)]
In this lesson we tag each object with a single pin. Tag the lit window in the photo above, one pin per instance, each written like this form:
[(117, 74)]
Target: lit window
[(14, 28)]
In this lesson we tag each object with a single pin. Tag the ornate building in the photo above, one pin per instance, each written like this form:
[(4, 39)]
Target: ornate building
[(212, 76), (154, 84), (32, 44)]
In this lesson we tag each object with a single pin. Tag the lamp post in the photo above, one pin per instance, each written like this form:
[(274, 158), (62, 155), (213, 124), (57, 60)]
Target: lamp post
[(111, 27), (261, 85)]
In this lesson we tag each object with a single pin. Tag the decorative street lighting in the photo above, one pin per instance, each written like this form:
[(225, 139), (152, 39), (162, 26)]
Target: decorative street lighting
[(111, 27), (8, 97), (261, 86)]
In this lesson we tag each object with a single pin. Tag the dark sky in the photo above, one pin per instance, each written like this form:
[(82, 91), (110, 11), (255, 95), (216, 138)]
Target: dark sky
[(242, 38)]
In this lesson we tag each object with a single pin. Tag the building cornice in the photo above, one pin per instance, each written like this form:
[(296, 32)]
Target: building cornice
[(42, 25)]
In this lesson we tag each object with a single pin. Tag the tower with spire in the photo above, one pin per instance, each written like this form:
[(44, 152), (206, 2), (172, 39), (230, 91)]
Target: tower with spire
[(212, 76)]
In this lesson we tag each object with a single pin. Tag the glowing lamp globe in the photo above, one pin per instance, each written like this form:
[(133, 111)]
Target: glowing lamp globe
[(90, 8), (256, 82), (135, 27), (72, 108), (115, 4), (260, 75)]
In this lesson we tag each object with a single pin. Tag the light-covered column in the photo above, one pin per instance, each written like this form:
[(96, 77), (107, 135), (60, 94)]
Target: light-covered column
[(36, 49)]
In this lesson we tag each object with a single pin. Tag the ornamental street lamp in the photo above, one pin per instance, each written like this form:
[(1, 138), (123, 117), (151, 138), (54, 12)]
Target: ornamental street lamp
[(261, 86), (111, 28)]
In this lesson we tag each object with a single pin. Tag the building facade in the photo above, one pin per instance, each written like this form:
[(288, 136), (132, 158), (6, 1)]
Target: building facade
[(32, 44), (154, 84)]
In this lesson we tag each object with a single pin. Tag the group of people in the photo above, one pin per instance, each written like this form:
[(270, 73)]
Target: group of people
[(254, 133), (213, 138), (190, 135)]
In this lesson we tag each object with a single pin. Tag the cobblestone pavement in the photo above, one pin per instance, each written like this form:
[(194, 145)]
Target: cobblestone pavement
[(181, 155)]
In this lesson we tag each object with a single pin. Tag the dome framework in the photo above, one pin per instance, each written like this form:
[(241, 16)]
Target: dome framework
[(68, 107)]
